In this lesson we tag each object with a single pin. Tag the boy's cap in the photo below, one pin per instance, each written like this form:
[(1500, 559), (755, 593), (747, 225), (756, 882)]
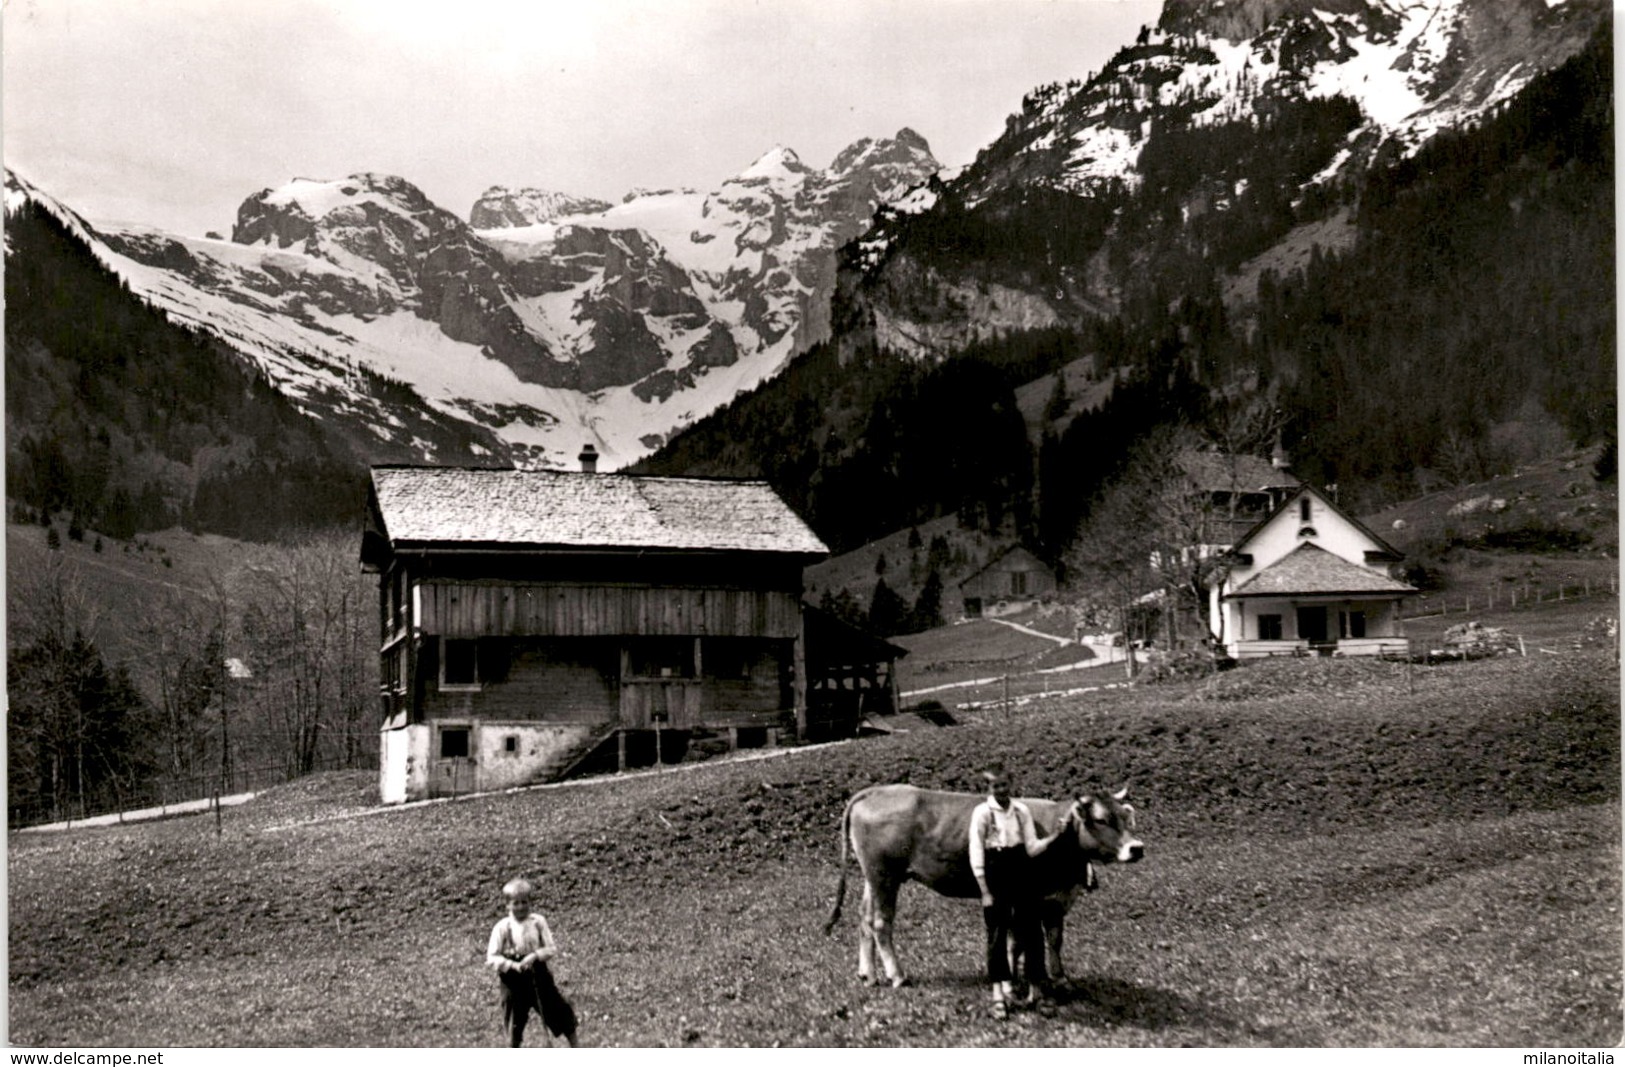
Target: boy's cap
[(518, 889)]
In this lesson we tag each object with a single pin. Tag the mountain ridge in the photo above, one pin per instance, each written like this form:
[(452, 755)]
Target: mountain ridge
[(589, 323)]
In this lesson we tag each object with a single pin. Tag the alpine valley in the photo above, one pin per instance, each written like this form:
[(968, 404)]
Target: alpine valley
[(1377, 234), (1388, 224)]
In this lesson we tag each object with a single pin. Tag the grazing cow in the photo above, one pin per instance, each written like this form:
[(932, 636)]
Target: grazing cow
[(899, 832)]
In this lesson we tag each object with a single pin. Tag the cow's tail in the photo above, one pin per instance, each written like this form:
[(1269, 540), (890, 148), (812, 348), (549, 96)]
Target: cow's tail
[(840, 886)]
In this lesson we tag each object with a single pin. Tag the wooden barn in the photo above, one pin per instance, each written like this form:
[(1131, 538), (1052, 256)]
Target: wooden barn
[(533, 618), (1011, 580)]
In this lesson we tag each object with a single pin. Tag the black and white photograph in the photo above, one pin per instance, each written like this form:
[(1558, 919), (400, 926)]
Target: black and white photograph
[(890, 524)]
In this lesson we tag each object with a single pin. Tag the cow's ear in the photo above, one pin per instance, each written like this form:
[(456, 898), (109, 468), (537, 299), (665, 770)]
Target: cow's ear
[(1085, 806)]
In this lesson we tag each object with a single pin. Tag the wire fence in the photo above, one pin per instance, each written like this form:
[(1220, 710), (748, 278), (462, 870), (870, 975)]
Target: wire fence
[(1513, 596)]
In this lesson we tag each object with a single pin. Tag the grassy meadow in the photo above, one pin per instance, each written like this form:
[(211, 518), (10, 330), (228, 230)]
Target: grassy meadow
[(1338, 854)]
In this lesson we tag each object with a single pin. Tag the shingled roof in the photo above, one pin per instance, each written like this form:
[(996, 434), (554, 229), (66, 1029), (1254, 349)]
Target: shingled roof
[(455, 506), (1217, 471), (1311, 570)]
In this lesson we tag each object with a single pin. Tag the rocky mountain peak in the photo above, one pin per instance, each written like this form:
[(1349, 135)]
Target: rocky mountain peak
[(776, 162), (1242, 20), (1411, 67), (906, 148), (500, 207), (351, 213)]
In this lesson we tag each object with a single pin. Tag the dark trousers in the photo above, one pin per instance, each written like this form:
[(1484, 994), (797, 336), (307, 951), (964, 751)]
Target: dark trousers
[(1012, 919), (524, 991)]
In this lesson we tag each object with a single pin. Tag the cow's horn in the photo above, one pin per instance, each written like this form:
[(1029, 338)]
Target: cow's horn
[(1121, 795)]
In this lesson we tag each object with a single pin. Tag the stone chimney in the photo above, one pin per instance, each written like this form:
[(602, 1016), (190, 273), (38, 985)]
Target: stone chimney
[(1279, 459), (589, 459)]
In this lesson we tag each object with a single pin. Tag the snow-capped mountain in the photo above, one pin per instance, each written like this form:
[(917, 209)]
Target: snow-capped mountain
[(267, 305), (555, 322), (743, 271), (1332, 87), (1413, 67)]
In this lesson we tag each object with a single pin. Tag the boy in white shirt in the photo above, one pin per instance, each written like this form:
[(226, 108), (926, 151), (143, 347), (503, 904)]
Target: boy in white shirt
[(1002, 843), (520, 946)]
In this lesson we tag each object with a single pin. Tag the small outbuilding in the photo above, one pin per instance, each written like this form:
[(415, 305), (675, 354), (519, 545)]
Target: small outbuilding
[(1307, 579), (851, 674), (530, 618), (1013, 579)]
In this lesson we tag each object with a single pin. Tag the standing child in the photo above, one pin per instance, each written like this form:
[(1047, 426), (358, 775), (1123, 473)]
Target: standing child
[(520, 947), (1003, 844)]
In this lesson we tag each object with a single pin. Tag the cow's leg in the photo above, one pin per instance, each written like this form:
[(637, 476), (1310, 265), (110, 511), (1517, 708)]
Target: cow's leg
[(866, 935), (1053, 913), (885, 911)]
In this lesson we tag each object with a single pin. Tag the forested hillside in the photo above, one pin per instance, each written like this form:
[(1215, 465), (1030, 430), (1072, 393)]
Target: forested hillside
[(1479, 302), (1466, 324), (878, 441), (124, 422)]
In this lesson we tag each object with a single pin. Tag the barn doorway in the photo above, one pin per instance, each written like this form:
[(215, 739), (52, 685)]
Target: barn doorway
[(452, 766)]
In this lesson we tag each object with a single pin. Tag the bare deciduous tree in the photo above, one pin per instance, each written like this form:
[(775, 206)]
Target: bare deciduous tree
[(182, 670), (1147, 532), (305, 619)]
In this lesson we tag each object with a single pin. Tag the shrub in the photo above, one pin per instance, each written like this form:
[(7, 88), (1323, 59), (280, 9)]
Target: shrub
[(1424, 575), (1537, 534), (1606, 469), (1176, 666)]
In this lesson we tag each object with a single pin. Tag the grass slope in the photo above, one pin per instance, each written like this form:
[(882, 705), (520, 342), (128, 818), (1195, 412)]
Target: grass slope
[(1333, 859)]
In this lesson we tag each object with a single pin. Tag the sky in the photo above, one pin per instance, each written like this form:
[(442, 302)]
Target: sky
[(170, 113)]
